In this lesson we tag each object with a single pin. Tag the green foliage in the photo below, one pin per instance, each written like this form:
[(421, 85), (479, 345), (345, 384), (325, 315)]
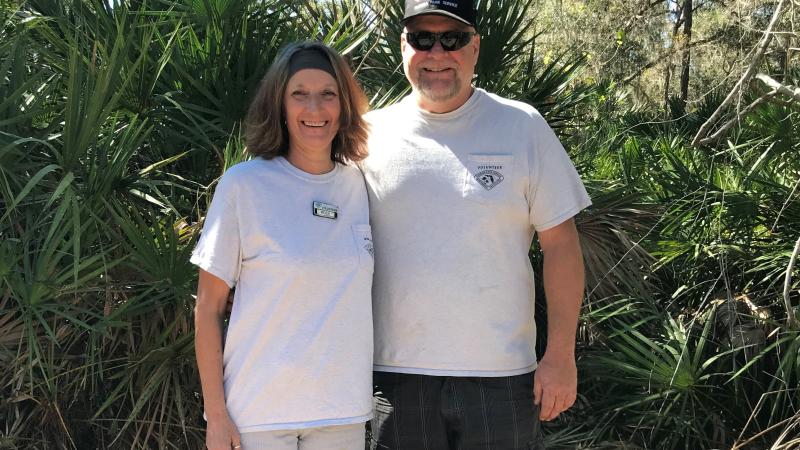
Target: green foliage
[(115, 119), (665, 388)]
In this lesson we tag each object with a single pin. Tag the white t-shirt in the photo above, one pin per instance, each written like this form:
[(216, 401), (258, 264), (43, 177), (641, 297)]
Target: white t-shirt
[(298, 349), (455, 200)]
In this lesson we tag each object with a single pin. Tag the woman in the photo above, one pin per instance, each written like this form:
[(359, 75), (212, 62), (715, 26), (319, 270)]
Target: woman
[(290, 230)]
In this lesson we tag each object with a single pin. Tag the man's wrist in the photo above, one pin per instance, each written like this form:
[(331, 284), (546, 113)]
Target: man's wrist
[(565, 354)]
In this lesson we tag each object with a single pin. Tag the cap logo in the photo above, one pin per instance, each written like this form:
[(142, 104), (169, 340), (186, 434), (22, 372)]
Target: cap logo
[(457, 9)]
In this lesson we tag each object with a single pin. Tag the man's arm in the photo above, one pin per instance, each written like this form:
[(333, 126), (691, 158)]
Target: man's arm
[(556, 380)]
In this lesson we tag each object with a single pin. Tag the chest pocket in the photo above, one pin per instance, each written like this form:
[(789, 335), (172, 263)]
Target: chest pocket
[(362, 236), (488, 178)]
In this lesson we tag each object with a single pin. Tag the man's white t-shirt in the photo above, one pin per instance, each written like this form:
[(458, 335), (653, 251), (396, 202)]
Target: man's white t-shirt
[(298, 249), (455, 200)]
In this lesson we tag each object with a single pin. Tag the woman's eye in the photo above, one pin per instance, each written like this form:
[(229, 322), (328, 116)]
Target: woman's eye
[(329, 94), (298, 93)]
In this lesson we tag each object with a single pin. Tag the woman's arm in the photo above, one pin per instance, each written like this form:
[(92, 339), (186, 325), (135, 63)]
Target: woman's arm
[(212, 296)]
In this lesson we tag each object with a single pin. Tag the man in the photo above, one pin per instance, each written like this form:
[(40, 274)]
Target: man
[(459, 181)]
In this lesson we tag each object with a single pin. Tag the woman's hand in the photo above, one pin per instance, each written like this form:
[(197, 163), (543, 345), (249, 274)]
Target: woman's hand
[(222, 434)]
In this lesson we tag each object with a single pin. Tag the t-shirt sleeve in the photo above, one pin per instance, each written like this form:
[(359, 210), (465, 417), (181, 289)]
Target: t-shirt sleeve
[(556, 192), (219, 249)]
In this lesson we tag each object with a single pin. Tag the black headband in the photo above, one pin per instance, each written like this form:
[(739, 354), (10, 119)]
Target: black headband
[(310, 58)]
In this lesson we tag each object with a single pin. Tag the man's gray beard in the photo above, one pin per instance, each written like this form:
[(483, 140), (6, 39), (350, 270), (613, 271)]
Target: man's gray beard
[(437, 95)]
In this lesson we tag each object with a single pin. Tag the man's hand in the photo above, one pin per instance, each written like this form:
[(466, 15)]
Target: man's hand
[(555, 386)]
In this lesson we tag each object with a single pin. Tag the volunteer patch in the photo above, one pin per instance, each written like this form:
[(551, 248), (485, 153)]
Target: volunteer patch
[(489, 178)]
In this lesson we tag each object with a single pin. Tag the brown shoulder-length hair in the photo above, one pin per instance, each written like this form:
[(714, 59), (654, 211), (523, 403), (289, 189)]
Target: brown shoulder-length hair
[(266, 133)]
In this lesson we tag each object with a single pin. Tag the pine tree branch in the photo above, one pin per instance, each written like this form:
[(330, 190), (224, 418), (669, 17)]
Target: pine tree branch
[(736, 119), (776, 88), (761, 48), (775, 85)]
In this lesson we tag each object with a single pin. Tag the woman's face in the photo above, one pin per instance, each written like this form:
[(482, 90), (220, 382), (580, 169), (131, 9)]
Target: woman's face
[(312, 108)]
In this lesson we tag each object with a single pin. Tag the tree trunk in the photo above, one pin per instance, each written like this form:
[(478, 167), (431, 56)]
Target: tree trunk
[(784, 61), (686, 60), (668, 69), (667, 77)]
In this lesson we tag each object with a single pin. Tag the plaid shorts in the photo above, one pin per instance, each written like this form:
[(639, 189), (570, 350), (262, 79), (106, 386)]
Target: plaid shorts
[(421, 412)]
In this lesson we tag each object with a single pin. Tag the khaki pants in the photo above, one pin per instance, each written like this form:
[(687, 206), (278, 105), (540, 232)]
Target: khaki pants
[(337, 437)]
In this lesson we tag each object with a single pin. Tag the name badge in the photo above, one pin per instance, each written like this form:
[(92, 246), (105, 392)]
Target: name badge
[(325, 210)]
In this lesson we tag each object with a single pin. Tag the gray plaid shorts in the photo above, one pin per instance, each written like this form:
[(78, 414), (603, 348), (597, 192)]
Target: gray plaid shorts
[(421, 412)]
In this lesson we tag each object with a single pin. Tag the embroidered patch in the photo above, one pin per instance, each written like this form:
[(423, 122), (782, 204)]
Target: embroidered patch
[(489, 178)]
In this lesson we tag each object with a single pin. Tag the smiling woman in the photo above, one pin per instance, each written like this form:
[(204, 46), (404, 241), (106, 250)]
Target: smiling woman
[(267, 120), (312, 109), (290, 229)]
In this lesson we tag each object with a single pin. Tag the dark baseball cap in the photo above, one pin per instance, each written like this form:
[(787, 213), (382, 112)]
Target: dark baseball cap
[(461, 10)]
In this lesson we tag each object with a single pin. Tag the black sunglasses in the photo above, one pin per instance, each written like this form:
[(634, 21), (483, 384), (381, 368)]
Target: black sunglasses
[(450, 40)]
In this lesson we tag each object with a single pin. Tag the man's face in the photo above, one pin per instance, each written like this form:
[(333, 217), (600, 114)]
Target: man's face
[(442, 80)]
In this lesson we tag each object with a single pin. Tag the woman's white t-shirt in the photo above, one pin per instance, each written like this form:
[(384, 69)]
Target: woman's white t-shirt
[(298, 249)]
